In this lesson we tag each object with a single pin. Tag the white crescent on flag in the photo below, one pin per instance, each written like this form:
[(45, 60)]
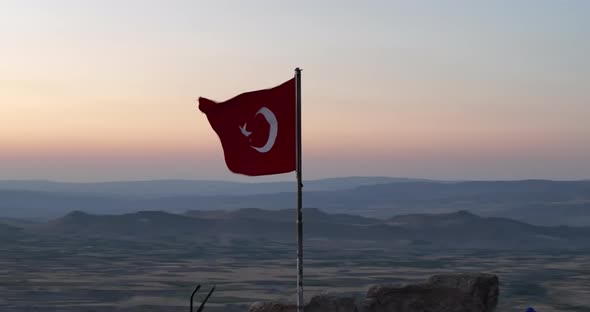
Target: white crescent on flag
[(272, 133)]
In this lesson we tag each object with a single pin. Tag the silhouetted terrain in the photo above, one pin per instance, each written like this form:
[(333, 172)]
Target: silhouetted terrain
[(142, 246), (453, 230), (533, 201), (9, 232), (151, 260), (160, 188)]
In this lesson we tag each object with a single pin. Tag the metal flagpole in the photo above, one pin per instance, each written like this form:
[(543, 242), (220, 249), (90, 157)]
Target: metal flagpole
[(300, 302)]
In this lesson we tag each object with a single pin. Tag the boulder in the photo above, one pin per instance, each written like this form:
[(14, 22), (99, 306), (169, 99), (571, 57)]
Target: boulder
[(483, 288), (441, 293), (272, 307), (331, 303)]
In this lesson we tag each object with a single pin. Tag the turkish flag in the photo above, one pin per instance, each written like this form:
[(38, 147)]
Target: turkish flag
[(256, 129)]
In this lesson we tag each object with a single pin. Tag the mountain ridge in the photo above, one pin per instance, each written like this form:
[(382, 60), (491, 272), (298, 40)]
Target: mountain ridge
[(540, 202), (460, 229), (173, 187)]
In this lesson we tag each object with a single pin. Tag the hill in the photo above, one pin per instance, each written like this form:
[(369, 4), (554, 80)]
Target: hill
[(470, 231), (533, 201), (284, 215), (203, 226), (162, 188), (10, 232), (452, 230)]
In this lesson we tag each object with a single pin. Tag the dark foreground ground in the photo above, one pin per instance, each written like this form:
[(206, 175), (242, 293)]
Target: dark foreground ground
[(66, 275)]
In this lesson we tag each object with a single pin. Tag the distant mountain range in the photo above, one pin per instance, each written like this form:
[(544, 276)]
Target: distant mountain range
[(537, 202), (9, 232), (451, 230), (161, 188)]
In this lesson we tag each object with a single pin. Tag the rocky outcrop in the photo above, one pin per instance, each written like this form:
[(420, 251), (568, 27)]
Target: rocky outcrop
[(483, 288), (272, 307), (331, 303), (441, 293)]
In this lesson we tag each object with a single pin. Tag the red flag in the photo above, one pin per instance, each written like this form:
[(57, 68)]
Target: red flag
[(256, 129)]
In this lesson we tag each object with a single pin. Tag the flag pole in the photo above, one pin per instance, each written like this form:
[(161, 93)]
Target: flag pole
[(300, 301)]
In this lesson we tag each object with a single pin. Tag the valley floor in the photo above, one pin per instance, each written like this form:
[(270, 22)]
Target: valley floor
[(67, 275)]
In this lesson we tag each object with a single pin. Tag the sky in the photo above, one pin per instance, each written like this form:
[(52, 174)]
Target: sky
[(106, 90)]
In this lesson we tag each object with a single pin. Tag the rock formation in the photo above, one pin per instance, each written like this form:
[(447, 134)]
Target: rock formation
[(272, 307), (441, 293)]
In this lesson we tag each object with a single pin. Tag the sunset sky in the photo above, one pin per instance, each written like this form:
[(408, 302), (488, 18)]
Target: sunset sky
[(106, 90)]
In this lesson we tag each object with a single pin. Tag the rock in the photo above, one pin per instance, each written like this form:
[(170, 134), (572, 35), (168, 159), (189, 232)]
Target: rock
[(442, 293), (328, 303), (484, 288), (272, 307), (417, 298)]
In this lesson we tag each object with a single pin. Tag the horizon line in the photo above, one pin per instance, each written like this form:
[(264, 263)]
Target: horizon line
[(411, 179)]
